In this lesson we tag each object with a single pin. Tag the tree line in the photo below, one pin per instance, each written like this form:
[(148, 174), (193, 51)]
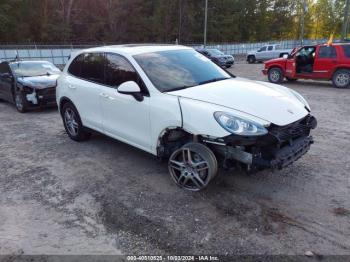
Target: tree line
[(121, 21)]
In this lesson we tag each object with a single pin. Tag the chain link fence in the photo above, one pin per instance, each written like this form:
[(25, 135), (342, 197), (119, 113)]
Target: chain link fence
[(59, 54)]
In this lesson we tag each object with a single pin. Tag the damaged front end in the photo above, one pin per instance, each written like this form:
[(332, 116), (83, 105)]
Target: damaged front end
[(279, 148), (40, 96)]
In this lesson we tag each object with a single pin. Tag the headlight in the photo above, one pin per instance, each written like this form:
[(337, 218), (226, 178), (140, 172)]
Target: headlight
[(239, 126), (300, 98)]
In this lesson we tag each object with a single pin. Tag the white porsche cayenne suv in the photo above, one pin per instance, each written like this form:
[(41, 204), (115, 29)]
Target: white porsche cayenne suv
[(176, 104)]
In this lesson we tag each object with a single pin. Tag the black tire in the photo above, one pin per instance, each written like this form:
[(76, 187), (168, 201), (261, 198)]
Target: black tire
[(341, 78), (251, 59), (291, 79), (20, 101), (193, 166), (72, 123), (228, 66), (275, 75)]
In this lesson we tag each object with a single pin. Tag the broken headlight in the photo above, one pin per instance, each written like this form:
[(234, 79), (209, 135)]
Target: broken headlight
[(239, 126)]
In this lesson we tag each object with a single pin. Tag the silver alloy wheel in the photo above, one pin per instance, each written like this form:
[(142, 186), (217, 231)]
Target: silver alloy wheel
[(189, 170), (71, 122), (275, 75), (19, 101), (342, 79)]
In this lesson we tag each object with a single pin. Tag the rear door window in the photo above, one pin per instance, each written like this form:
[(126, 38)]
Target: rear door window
[(93, 67), (327, 52), (270, 48)]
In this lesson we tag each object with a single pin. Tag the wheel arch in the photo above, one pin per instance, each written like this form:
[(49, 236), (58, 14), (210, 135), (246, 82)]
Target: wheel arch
[(340, 67), (171, 139), (276, 66), (64, 100)]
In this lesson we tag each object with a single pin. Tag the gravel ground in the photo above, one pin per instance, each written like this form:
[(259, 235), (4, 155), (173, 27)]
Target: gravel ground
[(104, 197)]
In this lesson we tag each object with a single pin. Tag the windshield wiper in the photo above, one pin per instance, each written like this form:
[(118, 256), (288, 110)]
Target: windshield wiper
[(178, 88), (214, 80)]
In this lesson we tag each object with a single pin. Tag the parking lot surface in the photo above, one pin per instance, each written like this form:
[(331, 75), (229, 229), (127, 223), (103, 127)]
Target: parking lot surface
[(105, 197)]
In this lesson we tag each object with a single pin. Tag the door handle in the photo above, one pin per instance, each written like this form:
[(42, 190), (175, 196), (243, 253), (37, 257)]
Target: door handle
[(72, 87), (104, 95)]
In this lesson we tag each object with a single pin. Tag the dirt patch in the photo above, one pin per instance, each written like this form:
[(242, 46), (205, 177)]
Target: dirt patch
[(340, 211)]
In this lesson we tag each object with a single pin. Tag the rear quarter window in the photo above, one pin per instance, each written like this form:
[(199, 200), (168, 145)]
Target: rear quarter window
[(346, 49), (75, 67)]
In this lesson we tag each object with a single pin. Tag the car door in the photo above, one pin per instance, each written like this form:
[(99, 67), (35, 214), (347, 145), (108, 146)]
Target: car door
[(261, 53), (325, 60), (84, 85), (290, 67), (6, 82), (124, 118), (270, 53)]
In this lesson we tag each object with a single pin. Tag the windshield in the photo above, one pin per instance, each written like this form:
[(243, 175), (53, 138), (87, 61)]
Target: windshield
[(306, 51), (179, 69), (215, 52), (25, 69)]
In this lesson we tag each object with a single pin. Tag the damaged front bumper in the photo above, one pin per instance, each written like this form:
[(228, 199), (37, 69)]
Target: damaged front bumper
[(280, 158), (40, 97), (278, 149)]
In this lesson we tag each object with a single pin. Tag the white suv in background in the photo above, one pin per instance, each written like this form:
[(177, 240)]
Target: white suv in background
[(176, 104)]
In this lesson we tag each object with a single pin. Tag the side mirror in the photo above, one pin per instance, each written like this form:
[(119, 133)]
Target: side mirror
[(131, 88)]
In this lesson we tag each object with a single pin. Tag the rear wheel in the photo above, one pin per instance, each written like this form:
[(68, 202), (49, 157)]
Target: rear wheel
[(251, 59), (193, 166), (20, 101), (341, 78), (73, 124), (275, 75)]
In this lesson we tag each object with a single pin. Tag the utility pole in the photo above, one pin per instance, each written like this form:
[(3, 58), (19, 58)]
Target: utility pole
[(303, 23), (346, 21), (180, 20), (205, 23)]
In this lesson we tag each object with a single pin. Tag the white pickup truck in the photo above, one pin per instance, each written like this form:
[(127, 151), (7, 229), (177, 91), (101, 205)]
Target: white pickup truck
[(267, 52)]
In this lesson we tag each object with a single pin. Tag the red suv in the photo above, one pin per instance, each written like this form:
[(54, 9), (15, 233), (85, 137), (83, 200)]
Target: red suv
[(318, 62)]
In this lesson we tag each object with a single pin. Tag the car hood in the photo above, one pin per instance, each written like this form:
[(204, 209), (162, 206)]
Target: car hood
[(253, 52), (38, 82), (271, 103), (276, 60), (224, 56)]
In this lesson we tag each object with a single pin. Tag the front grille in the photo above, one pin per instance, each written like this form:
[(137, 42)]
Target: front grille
[(295, 130)]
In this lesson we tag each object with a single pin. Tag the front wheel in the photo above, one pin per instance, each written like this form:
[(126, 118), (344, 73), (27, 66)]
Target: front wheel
[(341, 78), (20, 102), (72, 123), (275, 75), (193, 166)]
